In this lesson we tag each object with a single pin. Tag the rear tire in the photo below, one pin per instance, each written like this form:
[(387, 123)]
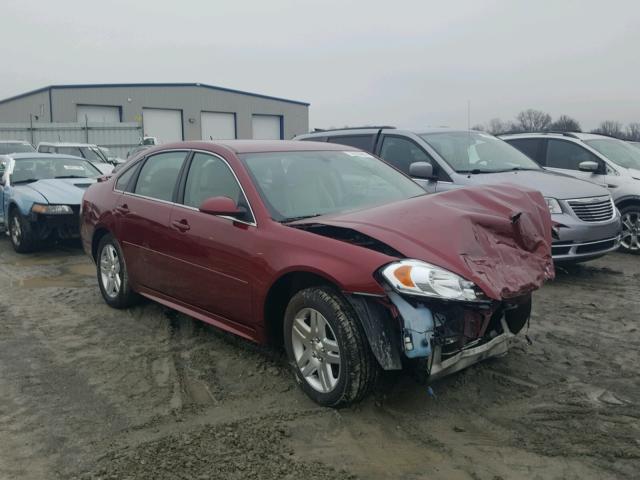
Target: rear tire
[(113, 278), (630, 242), (327, 348), (22, 236)]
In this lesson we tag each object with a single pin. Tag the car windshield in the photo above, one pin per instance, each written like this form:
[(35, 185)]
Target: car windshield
[(619, 152), (473, 152), (33, 169), (296, 185), (18, 147)]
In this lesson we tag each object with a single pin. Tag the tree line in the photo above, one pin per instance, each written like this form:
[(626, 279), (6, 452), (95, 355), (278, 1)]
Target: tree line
[(532, 120)]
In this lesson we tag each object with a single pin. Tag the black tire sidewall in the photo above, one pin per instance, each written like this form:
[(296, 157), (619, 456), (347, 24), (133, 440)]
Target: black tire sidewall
[(27, 242), (311, 298), (630, 209)]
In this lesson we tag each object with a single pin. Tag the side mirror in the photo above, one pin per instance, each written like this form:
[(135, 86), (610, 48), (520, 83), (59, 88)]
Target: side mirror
[(423, 170), (588, 166), (222, 206)]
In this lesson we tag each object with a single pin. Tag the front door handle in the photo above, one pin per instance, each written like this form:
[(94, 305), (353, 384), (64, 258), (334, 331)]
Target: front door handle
[(181, 225)]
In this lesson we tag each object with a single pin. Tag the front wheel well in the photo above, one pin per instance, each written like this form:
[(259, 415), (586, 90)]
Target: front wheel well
[(278, 298), (628, 202), (95, 241)]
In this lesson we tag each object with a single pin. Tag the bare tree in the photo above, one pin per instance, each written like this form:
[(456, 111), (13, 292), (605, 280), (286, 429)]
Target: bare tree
[(533, 120), (565, 123), (633, 132), (497, 126), (478, 127), (610, 128)]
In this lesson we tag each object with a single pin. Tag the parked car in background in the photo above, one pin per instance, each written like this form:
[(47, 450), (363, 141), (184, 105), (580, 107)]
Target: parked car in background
[(324, 248), (88, 151), (605, 161), (40, 197), (588, 225), (15, 146), (111, 158)]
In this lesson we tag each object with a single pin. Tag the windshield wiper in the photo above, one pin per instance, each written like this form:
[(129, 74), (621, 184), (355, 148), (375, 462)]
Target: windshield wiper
[(302, 217), (70, 176), (28, 180), (475, 171)]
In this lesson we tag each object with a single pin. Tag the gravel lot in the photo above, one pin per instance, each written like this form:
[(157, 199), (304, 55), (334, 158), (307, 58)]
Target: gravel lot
[(91, 392)]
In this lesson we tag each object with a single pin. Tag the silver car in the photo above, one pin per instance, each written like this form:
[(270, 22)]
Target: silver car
[(587, 222), (605, 161)]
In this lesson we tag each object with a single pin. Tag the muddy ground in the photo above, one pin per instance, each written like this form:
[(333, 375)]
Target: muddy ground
[(89, 392)]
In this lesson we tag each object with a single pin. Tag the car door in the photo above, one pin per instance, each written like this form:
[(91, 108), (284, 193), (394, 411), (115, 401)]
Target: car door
[(4, 190), (565, 156), (402, 152), (143, 212), (212, 255)]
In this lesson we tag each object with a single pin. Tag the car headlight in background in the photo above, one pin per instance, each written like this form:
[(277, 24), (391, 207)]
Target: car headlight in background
[(51, 209), (415, 277), (553, 204)]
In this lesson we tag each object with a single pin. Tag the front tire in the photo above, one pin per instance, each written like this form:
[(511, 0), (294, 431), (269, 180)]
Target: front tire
[(22, 236), (630, 241), (327, 348), (113, 278)]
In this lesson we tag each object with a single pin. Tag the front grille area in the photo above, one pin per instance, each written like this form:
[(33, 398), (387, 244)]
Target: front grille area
[(594, 209)]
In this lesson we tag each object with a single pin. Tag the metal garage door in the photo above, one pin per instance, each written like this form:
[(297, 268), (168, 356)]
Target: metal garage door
[(267, 127), (98, 113), (166, 125), (218, 126)]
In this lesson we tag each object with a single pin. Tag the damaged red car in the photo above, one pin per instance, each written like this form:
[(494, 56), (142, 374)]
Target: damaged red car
[(324, 249)]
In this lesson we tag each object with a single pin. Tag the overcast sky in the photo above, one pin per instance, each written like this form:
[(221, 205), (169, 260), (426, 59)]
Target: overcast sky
[(405, 63)]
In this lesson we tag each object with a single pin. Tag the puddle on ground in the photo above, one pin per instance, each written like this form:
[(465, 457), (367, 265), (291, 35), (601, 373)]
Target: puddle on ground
[(74, 275)]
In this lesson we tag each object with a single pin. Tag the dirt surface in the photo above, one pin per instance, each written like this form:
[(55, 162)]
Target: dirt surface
[(89, 392)]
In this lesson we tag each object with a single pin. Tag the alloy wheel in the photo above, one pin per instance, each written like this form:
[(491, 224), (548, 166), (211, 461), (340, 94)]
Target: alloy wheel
[(631, 231), (16, 230), (110, 271), (316, 350)]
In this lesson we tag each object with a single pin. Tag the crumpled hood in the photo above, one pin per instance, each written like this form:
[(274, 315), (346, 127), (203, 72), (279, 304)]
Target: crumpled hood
[(499, 237), (67, 191), (551, 184)]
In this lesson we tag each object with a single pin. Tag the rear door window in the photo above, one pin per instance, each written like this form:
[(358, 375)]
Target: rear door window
[(363, 142), (531, 147), (159, 175), (567, 155)]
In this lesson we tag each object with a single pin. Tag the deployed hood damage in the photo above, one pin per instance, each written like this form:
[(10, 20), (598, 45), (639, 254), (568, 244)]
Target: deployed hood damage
[(498, 237)]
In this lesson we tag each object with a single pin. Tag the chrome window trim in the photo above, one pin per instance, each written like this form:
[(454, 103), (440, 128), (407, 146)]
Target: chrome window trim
[(206, 152)]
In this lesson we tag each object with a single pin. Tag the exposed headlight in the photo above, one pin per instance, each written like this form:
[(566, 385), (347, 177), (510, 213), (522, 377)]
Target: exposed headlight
[(420, 278), (553, 204), (51, 209)]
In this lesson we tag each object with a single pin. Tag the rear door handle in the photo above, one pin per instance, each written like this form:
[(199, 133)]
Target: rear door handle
[(181, 225), (123, 209)]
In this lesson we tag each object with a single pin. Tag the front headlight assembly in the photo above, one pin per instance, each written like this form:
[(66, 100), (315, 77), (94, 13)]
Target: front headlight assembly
[(51, 209), (415, 277), (553, 204)]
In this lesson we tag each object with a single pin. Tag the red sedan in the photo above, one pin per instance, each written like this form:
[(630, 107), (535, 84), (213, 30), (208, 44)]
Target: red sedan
[(325, 249)]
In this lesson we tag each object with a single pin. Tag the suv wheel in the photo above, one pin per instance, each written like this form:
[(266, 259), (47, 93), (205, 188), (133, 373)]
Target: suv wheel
[(327, 348), (112, 274), (630, 241), (22, 235)]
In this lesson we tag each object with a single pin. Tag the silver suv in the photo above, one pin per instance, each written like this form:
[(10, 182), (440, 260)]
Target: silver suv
[(587, 223), (603, 160)]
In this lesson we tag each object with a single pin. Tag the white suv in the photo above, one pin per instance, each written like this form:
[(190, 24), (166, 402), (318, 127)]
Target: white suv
[(607, 161)]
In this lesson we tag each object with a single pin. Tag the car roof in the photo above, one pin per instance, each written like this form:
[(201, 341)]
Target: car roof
[(18, 156), (395, 131), (260, 146), (574, 135), (67, 144)]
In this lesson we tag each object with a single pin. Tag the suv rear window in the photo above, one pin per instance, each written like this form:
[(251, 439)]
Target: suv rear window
[(363, 142), (529, 146)]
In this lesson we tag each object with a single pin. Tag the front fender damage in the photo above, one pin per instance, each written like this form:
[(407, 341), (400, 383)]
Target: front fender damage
[(444, 336)]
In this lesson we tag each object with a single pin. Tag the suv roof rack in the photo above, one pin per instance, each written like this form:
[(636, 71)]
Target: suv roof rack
[(546, 132), (373, 127)]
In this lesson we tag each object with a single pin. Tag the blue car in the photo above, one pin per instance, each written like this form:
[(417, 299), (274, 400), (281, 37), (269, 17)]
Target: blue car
[(40, 197)]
